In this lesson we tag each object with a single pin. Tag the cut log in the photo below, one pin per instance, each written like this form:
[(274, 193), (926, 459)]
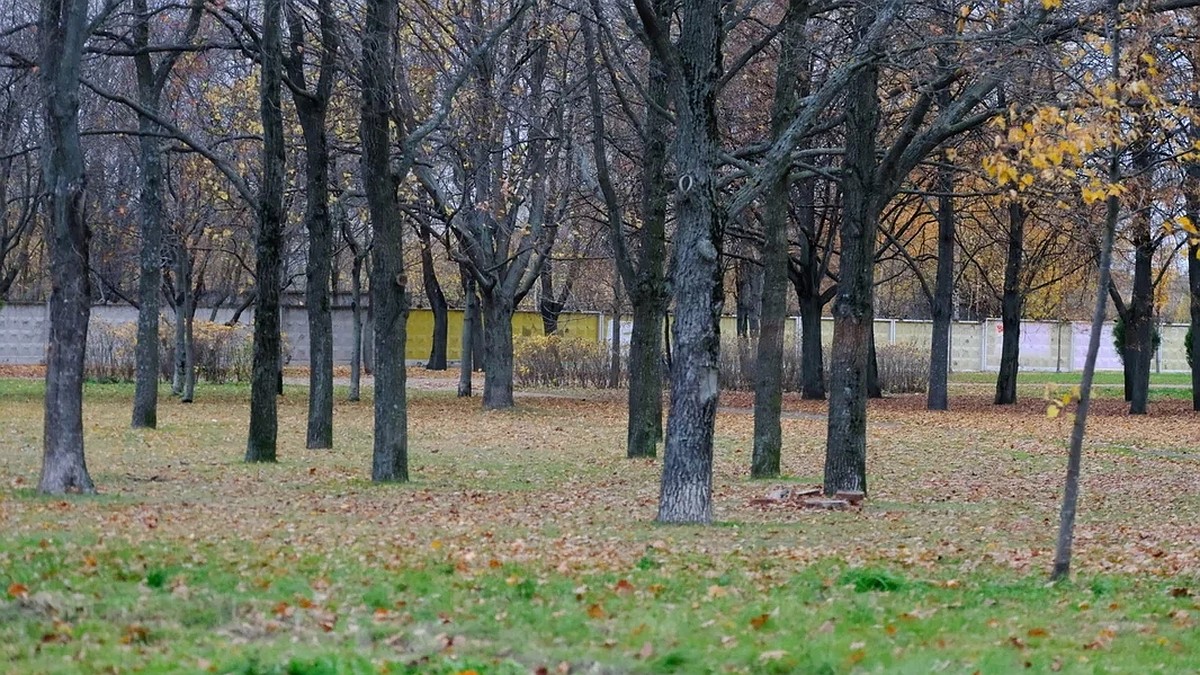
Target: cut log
[(828, 504), (855, 497)]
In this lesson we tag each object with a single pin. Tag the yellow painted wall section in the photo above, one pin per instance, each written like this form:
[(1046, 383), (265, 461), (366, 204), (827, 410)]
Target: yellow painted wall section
[(420, 330)]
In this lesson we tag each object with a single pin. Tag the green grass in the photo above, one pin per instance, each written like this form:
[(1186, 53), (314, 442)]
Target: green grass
[(526, 540)]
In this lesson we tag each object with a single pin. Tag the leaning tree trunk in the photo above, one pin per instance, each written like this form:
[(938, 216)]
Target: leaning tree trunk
[(388, 282), (497, 351), (62, 31), (1010, 307), (437, 304), (768, 368), (264, 382), (853, 339), (937, 397), (470, 319), (686, 489)]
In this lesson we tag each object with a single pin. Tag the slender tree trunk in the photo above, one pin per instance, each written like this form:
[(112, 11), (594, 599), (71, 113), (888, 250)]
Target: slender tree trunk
[(62, 34), (437, 304), (614, 345), (189, 351), (264, 384), (145, 397), (686, 490), (645, 429), (874, 388), (853, 339), (497, 351), (319, 273), (470, 319), (356, 327), (1010, 307), (183, 291), (812, 357), (1194, 286), (1139, 328), (937, 396), (548, 305), (388, 282), (768, 368)]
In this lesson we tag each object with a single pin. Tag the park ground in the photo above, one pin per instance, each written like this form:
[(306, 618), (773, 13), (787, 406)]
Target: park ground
[(525, 543)]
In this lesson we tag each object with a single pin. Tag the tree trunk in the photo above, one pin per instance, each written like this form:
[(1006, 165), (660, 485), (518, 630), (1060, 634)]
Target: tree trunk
[(264, 384), (874, 389), (614, 336), (768, 368), (853, 339), (470, 319), (548, 304), (183, 290), (645, 429), (937, 396), (1194, 286), (749, 278), (189, 350), (437, 304), (356, 328), (497, 351), (319, 273), (145, 397), (388, 282), (686, 490), (812, 357), (62, 34), (1139, 327), (1010, 308)]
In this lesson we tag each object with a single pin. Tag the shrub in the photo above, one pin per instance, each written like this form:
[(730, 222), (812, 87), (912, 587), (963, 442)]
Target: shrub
[(739, 358), (109, 355), (554, 361), (903, 368), (223, 353)]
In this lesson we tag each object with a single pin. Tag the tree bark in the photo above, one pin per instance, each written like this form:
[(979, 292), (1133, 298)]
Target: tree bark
[(937, 396), (470, 320), (311, 109), (388, 282), (497, 352), (1194, 287), (356, 328), (264, 384), (805, 272), (1010, 307), (853, 314), (62, 30), (686, 489), (874, 388), (614, 337), (768, 381), (437, 304), (145, 396)]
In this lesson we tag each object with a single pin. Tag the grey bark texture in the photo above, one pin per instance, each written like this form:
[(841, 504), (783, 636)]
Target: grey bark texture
[(62, 30), (268, 268), (388, 282)]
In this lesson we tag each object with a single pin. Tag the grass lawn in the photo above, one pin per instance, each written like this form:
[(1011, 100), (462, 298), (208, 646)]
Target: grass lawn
[(526, 544)]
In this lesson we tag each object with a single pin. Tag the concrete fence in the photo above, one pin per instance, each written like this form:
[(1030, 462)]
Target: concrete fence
[(974, 346)]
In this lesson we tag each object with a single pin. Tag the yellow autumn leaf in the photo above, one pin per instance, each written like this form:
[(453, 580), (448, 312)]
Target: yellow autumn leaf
[(1052, 411)]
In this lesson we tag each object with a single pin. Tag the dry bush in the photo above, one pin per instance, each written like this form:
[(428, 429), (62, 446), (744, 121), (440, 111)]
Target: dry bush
[(223, 353), (109, 355), (554, 361), (903, 368)]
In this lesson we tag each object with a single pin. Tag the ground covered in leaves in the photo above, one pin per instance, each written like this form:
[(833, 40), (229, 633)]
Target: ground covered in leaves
[(525, 543)]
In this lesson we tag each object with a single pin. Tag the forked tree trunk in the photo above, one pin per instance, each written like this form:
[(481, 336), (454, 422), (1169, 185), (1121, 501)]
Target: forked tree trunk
[(1010, 308), (62, 32), (264, 385)]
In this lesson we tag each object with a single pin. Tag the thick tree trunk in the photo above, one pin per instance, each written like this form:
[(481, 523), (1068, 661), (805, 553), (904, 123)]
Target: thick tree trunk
[(264, 384), (388, 282), (1010, 308), (62, 34), (470, 320), (853, 339), (1139, 327), (686, 490), (497, 351), (937, 396)]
